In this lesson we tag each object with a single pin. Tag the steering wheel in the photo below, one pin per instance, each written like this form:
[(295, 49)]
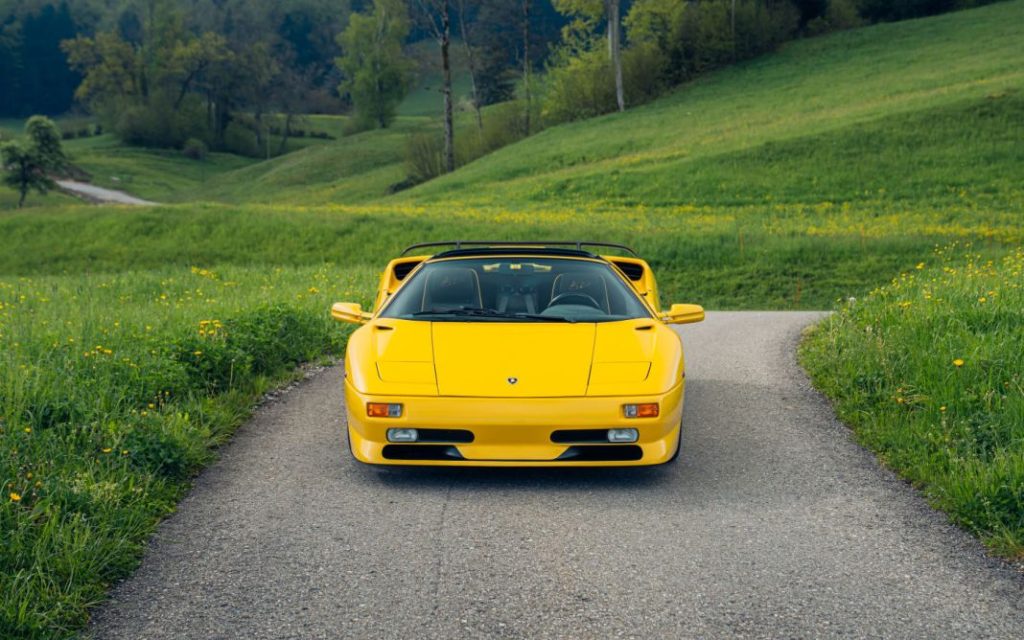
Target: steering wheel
[(577, 299)]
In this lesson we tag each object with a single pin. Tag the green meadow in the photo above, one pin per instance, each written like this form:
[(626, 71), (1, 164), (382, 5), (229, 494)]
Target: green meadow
[(135, 339)]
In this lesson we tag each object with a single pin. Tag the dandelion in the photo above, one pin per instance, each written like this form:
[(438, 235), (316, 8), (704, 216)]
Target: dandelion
[(958, 362), (15, 497), (28, 429), (197, 353), (106, 449), (942, 408), (920, 265), (983, 299)]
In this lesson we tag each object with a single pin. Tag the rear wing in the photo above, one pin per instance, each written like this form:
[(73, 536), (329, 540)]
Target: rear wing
[(394, 274), (640, 275)]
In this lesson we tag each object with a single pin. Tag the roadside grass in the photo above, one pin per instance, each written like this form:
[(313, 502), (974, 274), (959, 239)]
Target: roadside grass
[(928, 370), (114, 388)]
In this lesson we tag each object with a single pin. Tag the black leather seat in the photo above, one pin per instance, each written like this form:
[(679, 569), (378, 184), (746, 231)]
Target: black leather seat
[(451, 288), (590, 284)]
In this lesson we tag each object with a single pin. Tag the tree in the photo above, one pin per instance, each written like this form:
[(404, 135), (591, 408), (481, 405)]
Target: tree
[(464, 27), (376, 71), (27, 162), (437, 16), (589, 12)]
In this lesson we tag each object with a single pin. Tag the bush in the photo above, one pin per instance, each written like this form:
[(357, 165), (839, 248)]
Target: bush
[(424, 156), (841, 14), (240, 139), (158, 125), (195, 149)]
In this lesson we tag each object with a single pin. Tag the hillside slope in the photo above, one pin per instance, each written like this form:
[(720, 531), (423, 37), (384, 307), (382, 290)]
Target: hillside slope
[(816, 87)]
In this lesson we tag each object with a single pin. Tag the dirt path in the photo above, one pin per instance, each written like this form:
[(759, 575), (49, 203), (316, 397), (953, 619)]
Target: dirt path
[(92, 193), (773, 524)]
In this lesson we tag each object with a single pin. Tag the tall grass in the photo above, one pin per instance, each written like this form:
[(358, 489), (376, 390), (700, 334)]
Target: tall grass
[(113, 389), (929, 372)]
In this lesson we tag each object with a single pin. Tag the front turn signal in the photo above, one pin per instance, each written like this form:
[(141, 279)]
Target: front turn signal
[(646, 410), (383, 410)]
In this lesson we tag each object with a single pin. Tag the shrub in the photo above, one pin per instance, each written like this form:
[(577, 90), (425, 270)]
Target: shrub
[(240, 139), (195, 149), (158, 125), (424, 156)]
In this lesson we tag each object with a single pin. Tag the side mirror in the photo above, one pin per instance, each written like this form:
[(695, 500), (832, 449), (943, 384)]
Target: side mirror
[(349, 312), (683, 314)]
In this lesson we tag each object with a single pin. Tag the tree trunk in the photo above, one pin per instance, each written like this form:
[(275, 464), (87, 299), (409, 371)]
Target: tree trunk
[(734, 30), (471, 60), (526, 63), (21, 200), (615, 43), (449, 129), (284, 134)]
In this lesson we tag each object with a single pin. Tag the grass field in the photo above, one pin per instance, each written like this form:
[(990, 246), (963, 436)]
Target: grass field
[(789, 182), (114, 389)]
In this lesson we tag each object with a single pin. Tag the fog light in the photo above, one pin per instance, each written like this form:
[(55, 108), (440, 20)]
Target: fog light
[(648, 410), (383, 410), (403, 435), (623, 435)]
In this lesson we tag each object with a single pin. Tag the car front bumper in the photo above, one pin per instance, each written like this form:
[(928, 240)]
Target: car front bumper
[(515, 432)]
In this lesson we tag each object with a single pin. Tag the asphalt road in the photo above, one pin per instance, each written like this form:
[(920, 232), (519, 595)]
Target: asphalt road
[(772, 524)]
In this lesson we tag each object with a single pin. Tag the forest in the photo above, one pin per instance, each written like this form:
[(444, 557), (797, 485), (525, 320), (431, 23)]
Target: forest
[(163, 73)]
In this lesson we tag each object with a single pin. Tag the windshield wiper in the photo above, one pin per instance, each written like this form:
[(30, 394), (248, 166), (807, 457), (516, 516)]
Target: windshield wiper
[(491, 313)]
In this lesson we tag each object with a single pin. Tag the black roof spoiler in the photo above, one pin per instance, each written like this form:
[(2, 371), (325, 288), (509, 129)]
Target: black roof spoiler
[(460, 244)]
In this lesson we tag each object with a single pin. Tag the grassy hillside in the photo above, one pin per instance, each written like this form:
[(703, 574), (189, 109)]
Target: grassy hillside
[(813, 87)]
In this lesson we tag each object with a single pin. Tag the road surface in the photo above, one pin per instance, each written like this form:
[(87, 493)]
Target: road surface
[(92, 193), (773, 524)]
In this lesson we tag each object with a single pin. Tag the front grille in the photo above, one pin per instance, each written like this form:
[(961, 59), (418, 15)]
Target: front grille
[(454, 436), (571, 436), (603, 453)]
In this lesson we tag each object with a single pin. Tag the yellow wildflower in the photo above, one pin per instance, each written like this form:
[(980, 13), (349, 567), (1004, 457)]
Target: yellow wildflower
[(15, 497), (958, 362)]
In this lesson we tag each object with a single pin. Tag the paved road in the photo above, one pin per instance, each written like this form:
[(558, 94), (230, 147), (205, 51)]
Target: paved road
[(93, 193), (772, 524)]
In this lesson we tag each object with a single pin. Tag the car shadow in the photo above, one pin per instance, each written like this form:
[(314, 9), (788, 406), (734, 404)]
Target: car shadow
[(520, 478)]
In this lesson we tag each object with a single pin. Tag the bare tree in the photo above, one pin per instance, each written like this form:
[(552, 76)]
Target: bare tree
[(437, 15), (615, 47), (526, 63), (471, 62)]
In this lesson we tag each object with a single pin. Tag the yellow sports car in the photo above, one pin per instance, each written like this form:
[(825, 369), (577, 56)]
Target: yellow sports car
[(515, 354)]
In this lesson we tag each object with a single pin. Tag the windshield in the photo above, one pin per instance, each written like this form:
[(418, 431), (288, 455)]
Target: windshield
[(516, 289)]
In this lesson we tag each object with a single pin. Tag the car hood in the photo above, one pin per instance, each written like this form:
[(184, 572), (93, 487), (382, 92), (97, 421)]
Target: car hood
[(514, 360)]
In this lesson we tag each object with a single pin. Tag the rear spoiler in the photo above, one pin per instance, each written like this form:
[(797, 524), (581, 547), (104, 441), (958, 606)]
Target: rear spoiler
[(578, 245)]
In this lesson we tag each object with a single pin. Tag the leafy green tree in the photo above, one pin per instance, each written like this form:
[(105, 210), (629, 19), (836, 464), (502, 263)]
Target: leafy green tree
[(588, 13), (375, 68), (28, 162)]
